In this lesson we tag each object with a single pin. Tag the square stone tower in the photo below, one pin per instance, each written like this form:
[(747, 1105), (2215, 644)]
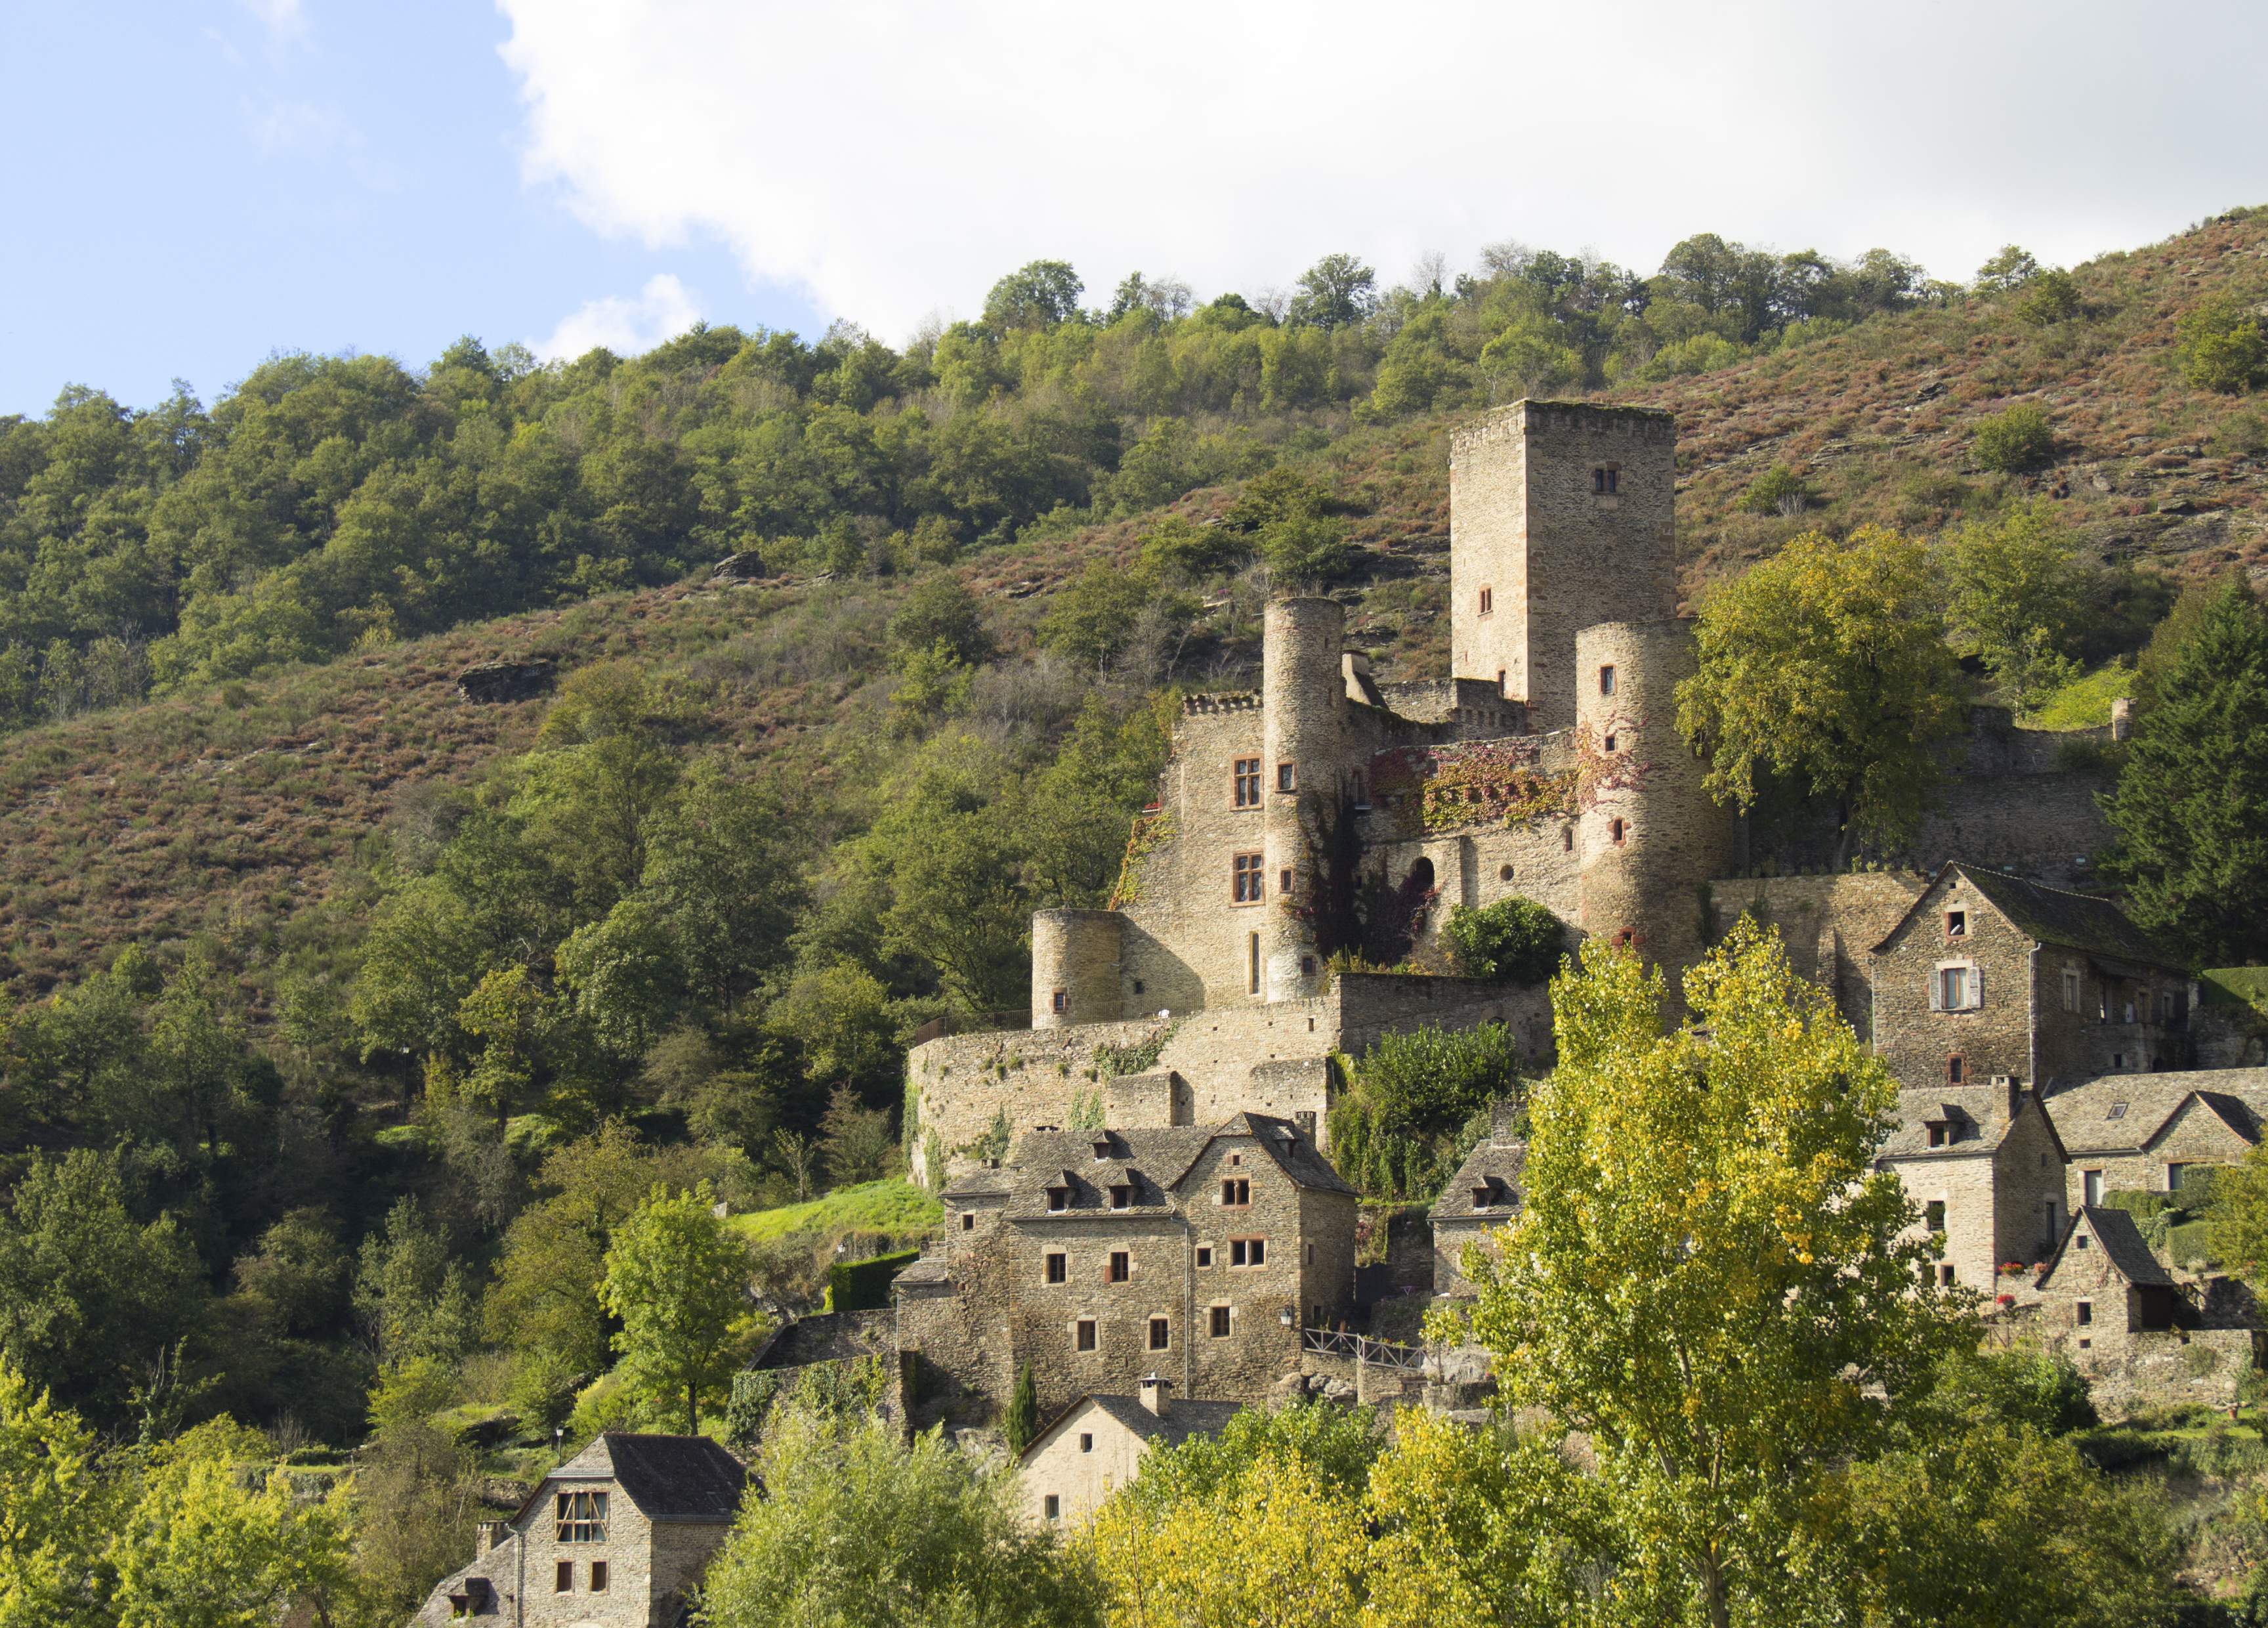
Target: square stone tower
[(1560, 519)]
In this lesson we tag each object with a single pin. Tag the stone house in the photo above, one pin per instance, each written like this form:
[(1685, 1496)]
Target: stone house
[(1097, 1443), (1100, 1256), (616, 1537), (1986, 1166), (2103, 1285), (1484, 1195), (2128, 1134), (1989, 976)]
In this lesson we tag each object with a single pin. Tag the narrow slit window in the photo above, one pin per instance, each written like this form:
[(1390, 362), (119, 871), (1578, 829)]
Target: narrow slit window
[(1283, 881), (1616, 832), (1252, 969), (1488, 600), (1605, 681)]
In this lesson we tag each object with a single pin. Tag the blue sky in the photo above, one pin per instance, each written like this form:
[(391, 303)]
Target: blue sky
[(196, 183), (193, 187)]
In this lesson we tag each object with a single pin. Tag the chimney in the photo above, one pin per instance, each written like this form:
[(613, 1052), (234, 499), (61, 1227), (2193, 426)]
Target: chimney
[(487, 1536), (1155, 1396)]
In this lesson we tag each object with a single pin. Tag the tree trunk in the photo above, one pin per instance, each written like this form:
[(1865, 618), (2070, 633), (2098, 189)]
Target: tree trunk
[(692, 1411)]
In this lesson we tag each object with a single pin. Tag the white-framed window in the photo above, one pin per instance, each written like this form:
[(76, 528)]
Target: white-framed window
[(2090, 1188), (1955, 986)]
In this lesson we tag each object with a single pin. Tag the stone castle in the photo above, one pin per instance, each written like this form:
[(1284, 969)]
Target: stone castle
[(1333, 812)]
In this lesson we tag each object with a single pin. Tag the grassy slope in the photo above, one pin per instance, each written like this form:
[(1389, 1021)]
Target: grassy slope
[(191, 816), (891, 1207)]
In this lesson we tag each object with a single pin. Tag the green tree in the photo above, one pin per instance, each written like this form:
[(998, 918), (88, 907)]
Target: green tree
[(1516, 940), (2192, 804), (1093, 618), (1338, 290), (940, 607), (1432, 1080), (2012, 267), (2015, 596), (854, 1139), (1828, 665), (2050, 297), (842, 1020), (859, 1526), (513, 1017), (721, 868), (200, 1549), (411, 1296), (2017, 439), (2220, 346), (951, 862), (55, 1509), (89, 1297), (1707, 1278), (1022, 1423), (675, 1278), (1041, 294)]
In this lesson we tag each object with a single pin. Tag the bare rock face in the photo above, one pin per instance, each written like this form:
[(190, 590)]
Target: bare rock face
[(740, 568), (487, 682)]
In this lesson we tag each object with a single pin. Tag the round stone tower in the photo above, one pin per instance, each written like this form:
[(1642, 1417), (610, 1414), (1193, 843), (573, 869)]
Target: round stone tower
[(1075, 957), (1650, 834), (1304, 735)]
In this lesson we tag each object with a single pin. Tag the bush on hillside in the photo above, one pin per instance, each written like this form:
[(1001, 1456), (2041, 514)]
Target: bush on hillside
[(2016, 439), (2052, 296), (1777, 491), (1432, 1080), (2221, 346)]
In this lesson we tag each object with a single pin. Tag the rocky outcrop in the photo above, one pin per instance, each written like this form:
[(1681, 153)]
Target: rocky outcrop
[(487, 682)]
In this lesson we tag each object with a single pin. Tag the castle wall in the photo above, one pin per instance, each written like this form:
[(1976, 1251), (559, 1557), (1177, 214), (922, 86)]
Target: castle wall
[(1075, 967), (2042, 824), (1528, 523), (1829, 924), (1649, 835)]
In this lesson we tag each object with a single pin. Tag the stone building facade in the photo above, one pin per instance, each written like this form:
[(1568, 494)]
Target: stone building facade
[(616, 1537), (2143, 1135), (1483, 1197), (1983, 1165), (1100, 1258), (1098, 1443)]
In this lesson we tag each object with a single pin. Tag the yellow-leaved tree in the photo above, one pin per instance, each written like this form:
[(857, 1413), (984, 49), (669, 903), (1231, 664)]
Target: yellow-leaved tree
[(1709, 1282)]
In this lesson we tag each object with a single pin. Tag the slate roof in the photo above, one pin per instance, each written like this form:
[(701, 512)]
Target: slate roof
[(2084, 1113), (2122, 1245), (1150, 1161), (1507, 1162), (2075, 921), (1978, 1116), (1182, 1419), (670, 1478)]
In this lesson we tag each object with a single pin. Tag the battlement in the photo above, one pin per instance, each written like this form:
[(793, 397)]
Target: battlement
[(1228, 701)]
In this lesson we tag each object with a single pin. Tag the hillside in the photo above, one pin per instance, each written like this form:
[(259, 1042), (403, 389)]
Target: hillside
[(237, 808)]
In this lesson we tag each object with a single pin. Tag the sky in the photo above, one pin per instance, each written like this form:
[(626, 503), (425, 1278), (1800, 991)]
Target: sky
[(194, 184)]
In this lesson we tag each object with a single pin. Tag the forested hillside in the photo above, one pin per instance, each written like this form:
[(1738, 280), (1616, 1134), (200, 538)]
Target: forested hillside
[(350, 1012)]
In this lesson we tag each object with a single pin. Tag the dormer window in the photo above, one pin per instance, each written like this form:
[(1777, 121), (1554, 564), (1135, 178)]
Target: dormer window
[(1058, 1198), (1102, 1147), (1941, 1132), (1121, 1197)]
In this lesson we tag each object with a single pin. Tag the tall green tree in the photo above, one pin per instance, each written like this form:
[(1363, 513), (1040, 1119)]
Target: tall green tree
[(55, 1508), (677, 1279), (1828, 665), (2015, 597), (89, 1298), (1708, 1278), (2191, 803)]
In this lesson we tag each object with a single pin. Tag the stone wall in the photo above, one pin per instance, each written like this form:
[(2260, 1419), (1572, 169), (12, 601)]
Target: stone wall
[(2041, 825), (1268, 1057), (1829, 924), (2201, 1366)]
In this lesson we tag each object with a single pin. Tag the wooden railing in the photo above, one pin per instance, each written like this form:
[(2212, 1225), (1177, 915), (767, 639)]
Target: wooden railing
[(1362, 1348)]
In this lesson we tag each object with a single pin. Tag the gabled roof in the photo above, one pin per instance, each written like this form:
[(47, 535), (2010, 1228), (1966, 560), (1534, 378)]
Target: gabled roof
[(1150, 1160), (1507, 1162), (2122, 1247), (1182, 1419), (670, 1478), (2127, 1112), (2075, 921), (1977, 1115)]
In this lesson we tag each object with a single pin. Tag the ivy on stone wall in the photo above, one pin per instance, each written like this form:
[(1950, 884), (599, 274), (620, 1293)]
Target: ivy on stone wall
[(1110, 1062), (1150, 832), (1440, 788)]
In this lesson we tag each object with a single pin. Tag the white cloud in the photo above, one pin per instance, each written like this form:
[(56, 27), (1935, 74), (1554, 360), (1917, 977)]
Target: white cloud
[(661, 311), (900, 155), (283, 17)]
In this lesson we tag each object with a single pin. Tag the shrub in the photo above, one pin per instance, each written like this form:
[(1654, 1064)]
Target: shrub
[(1515, 940), (1777, 491), (2016, 439), (2221, 348), (2050, 297), (1432, 1079), (865, 1285)]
